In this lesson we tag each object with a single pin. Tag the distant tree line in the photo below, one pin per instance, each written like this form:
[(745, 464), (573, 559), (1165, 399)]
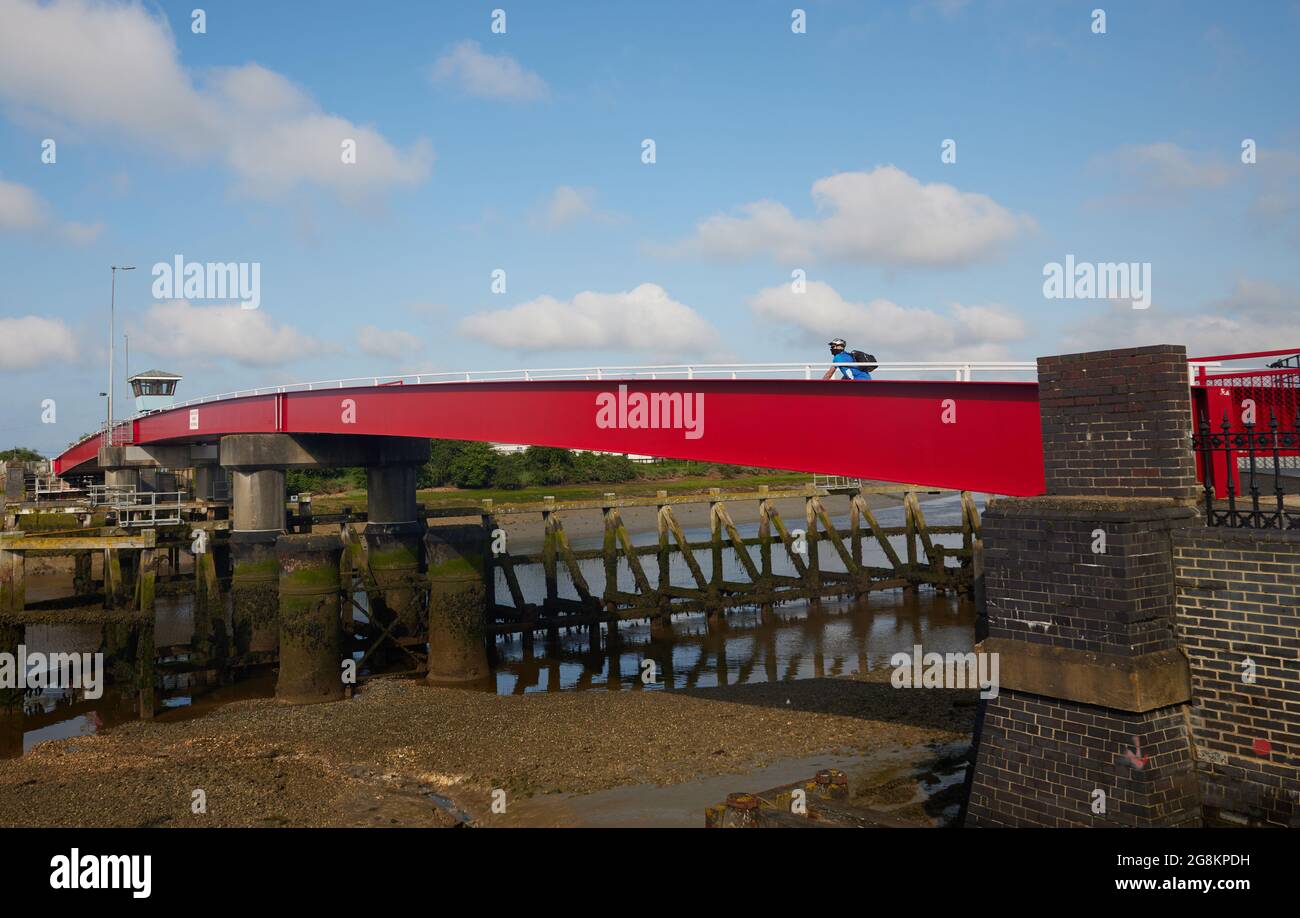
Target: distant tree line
[(472, 464), (20, 454)]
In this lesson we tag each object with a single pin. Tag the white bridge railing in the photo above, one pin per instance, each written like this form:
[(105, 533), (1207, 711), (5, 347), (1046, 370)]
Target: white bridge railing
[(962, 371)]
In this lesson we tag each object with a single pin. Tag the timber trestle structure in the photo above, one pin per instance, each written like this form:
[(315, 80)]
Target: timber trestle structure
[(638, 581)]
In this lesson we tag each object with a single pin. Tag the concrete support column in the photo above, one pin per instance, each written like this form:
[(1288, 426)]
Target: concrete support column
[(393, 542), (205, 479), (457, 604), (257, 521), (122, 478), (310, 641)]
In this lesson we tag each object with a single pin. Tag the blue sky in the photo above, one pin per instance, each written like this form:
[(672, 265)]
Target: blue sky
[(522, 151)]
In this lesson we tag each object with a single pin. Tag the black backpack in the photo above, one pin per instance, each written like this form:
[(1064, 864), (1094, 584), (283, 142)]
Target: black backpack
[(864, 357)]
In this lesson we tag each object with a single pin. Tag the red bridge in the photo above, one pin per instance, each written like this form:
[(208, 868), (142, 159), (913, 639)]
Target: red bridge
[(958, 433)]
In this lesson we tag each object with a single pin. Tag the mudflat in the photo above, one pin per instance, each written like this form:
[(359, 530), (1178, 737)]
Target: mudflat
[(381, 757)]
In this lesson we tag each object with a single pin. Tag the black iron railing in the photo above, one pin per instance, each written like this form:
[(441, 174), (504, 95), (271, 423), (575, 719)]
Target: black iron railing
[(1248, 473)]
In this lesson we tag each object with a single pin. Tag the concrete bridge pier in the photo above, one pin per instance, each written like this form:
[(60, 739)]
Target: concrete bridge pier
[(310, 635), (394, 542), (457, 604), (257, 520), (206, 477), (122, 478)]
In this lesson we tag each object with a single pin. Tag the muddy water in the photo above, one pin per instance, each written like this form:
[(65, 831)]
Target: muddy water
[(792, 641), (917, 783)]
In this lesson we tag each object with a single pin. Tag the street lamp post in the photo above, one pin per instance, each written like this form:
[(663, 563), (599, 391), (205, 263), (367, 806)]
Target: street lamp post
[(112, 315)]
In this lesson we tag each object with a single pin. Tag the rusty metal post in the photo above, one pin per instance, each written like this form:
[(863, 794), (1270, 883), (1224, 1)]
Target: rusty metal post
[(741, 812)]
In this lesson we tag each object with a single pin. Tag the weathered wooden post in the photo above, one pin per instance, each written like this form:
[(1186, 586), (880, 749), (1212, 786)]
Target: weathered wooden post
[(550, 572), (714, 602), (82, 581), (12, 629), (609, 558), (490, 527), (855, 530), (457, 604), (909, 523), (114, 589), (210, 645), (814, 562), (661, 626), (765, 553), (310, 646), (145, 649)]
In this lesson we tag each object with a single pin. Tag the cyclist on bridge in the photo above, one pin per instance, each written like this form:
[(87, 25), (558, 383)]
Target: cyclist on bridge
[(840, 355)]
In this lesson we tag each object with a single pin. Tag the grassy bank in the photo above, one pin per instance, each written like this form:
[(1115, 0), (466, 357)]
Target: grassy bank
[(443, 497)]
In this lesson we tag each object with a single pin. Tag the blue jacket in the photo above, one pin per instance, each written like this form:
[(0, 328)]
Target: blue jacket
[(850, 372)]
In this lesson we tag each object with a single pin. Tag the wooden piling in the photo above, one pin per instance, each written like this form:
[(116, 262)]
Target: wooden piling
[(145, 649), (909, 523), (83, 583), (663, 621), (814, 575), (550, 553), (715, 554)]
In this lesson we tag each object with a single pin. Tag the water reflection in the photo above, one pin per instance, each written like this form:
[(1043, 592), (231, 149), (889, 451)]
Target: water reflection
[(795, 641), (798, 640)]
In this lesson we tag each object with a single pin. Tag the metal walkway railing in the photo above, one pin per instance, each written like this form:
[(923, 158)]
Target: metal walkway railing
[(960, 371)]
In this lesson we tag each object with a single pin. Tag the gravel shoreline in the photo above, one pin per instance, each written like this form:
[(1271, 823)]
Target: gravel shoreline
[(377, 758)]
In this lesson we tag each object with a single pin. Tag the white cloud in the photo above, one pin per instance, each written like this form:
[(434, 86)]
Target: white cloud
[(1158, 174), (31, 341), (645, 318), (393, 344), (889, 330), (1276, 205), (119, 75), (23, 210), (567, 205), (20, 207), (1255, 316), (883, 217), (81, 233), (488, 76), (179, 329), (1168, 167)]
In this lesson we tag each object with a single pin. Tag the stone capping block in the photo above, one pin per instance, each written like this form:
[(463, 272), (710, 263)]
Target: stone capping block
[(1135, 684), (1099, 509)]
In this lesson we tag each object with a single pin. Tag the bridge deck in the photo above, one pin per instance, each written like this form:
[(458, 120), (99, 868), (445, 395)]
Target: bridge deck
[(981, 436)]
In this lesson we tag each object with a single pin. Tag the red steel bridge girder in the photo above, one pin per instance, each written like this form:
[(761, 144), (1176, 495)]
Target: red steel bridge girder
[(977, 436)]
